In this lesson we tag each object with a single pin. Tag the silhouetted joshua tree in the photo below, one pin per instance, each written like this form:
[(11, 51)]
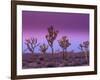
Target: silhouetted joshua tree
[(31, 44), (81, 47), (86, 45), (85, 48), (43, 48), (51, 36), (64, 44)]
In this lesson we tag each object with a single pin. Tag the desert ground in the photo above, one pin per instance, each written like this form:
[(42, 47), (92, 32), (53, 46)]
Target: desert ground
[(56, 60)]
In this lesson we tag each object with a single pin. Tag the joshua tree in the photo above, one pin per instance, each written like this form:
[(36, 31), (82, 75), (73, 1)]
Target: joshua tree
[(31, 44), (85, 48), (51, 36), (64, 44), (86, 45), (43, 48), (81, 47)]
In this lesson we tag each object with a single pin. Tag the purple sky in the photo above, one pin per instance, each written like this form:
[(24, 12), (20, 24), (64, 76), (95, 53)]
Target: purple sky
[(73, 25)]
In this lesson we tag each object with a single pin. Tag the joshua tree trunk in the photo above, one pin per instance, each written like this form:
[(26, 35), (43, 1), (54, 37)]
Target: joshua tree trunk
[(86, 56), (33, 51), (66, 50), (63, 54), (52, 50), (66, 53)]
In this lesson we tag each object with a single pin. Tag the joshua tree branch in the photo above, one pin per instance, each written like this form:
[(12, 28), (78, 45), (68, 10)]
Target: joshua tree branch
[(31, 44)]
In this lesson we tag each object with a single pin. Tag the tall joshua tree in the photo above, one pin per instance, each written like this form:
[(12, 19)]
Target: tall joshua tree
[(43, 48), (64, 44), (51, 36), (31, 44)]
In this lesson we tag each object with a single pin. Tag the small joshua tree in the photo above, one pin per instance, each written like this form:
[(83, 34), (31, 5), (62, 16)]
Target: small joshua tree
[(51, 36), (85, 48), (86, 45), (43, 48), (81, 47), (31, 44), (64, 44)]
